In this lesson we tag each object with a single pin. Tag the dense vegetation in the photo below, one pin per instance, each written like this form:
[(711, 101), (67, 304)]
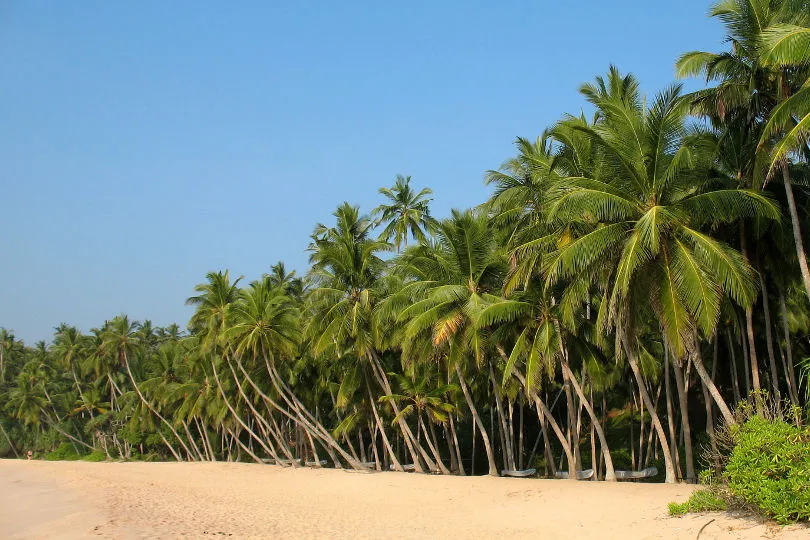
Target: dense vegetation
[(634, 274)]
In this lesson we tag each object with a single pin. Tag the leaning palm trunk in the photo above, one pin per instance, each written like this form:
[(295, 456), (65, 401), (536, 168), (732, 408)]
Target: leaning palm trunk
[(708, 382), (411, 442), (431, 445), (506, 440), (735, 378), (670, 419), (391, 454), (645, 396), (555, 427), (304, 417), (241, 445), (239, 418), (769, 338), (457, 447), (797, 230), (320, 434), (10, 444), (151, 408), (686, 426), (493, 467), (610, 473), (263, 425), (193, 443), (791, 375)]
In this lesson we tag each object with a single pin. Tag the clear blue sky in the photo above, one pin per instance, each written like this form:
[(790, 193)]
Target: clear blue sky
[(145, 143)]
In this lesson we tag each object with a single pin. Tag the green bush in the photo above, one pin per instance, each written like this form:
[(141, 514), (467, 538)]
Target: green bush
[(702, 500), (98, 455), (769, 468), (65, 451)]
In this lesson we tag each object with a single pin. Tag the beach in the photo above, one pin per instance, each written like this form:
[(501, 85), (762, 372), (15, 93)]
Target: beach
[(69, 500)]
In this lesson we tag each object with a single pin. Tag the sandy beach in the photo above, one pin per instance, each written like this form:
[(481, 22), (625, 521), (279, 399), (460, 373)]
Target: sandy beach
[(202, 500)]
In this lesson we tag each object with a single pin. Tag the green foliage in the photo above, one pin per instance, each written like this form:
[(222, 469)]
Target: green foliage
[(770, 468), (65, 451), (702, 500), (95, 456)]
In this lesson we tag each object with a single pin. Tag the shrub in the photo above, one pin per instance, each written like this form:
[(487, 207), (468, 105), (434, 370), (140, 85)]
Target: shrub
[(65, 451), (703, 500), (769, 468), (98, 455)]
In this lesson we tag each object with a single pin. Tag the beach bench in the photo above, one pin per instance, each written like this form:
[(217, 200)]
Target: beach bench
[(581, 475), (407, 467), (649, 472), (525, 473)]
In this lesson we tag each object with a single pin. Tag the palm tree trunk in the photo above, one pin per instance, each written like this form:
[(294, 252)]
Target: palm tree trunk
[(769, 338), (542, 409), (749, 325), (506, 444), (304, 417), (686, 427), (633, 361), (386, 442), (493, 468), (239, 443), (431, 445), (735, 379), (193, 444), (10, 444), (791, 374), (372, 429), (670, 419), (149, 406), (520, 435), (752, 356), (407, 435), (239, 419), (708, 382), (610, 473), (546, 444), (797, 230), (457, 447), (263, 424)]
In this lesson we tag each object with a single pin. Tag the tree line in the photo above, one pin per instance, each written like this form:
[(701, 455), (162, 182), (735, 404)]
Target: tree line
[(635, 274)]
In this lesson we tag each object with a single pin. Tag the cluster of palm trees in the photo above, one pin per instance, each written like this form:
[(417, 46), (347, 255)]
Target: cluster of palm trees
[(633, 276)]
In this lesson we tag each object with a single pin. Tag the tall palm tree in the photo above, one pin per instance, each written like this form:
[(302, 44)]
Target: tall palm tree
[(346, 271), (455, 277), (654, 205), (750, 87), (406, 213)]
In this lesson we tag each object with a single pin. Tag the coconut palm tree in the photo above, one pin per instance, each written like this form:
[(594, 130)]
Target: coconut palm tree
[(406, 213), (454, 277), (654, 205), (346, 272), (751, 88)]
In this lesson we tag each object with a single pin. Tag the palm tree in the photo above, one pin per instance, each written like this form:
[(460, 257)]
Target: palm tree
[(346, 271), (408, 212), (425, 399), (653, 203), (752, 87), (454, 279), (122, 338), (7, 342), (69, 346)]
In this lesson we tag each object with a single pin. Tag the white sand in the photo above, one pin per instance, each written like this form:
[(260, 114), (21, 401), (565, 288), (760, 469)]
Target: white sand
[(202, 500)]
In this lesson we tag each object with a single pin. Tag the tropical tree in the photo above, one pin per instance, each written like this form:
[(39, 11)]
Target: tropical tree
[(406, 213)]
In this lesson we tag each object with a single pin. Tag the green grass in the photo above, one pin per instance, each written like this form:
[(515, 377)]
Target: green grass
[(702, 500)]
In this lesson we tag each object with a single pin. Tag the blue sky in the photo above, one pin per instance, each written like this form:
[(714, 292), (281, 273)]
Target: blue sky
[(146, 143)]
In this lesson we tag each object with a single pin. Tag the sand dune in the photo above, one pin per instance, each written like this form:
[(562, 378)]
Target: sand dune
[(203, 500)]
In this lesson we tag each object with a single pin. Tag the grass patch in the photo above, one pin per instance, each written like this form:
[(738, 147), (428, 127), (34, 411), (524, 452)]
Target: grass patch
[(703, 500)]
